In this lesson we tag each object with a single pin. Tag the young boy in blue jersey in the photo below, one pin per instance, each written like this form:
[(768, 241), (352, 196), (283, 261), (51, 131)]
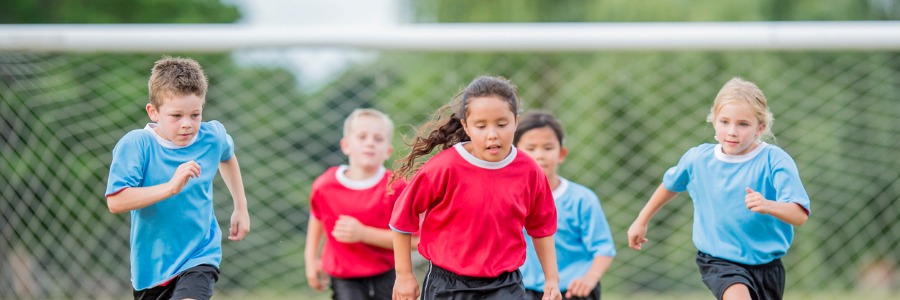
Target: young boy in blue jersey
[(163, 175), (584, 243), (747, 197)]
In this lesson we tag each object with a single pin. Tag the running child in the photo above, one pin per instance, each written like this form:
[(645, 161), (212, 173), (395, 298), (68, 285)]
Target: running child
[(584, 243), (350, 208), (163, 175), (747, 197), (477, 194)]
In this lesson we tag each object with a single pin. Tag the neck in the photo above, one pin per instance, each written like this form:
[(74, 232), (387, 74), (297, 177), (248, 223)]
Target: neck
[(554, 182), (360, 173)]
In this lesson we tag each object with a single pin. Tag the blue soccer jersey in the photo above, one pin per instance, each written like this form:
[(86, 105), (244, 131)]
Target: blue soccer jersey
[(582, 233), (181, 231), (723, 225)]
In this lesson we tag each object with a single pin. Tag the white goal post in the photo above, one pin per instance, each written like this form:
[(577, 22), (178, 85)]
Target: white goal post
[(791, 36)]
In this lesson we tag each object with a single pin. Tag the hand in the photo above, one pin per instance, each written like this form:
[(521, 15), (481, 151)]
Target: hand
[(637, 235), (315, 276), (551, 291), (240, 225), (183, 173), (757, 203), (581, 287), (405, 288), (348, 229)]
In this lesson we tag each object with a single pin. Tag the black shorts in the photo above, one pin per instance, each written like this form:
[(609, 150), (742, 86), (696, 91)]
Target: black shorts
[(765, 281), (196, 282), (378, 287), (443, 284), (537, 295)]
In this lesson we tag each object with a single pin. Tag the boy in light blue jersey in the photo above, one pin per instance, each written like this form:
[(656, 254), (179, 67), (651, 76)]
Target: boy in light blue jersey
[(163, 175), (747, 197), (583, 240)]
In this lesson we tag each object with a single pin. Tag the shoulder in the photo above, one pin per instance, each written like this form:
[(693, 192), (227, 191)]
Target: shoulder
[(326, 177), (137, 137), (696, 152), (446, 158), (582, 193), (213, 126), (776, 155)]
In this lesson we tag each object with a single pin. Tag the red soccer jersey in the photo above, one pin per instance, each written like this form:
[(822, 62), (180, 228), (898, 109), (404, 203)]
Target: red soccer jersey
[(475, 211), (333, 194)]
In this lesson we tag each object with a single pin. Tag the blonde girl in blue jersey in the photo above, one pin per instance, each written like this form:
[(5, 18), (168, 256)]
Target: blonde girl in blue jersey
[(747, 197)]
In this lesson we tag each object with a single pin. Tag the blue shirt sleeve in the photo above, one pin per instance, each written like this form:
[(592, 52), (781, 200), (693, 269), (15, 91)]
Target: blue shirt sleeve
[(786, 178), (128, 163), (597, 235), (677, 178), (228, 149)]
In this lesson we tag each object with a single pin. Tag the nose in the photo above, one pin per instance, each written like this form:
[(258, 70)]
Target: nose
[(185, 123)]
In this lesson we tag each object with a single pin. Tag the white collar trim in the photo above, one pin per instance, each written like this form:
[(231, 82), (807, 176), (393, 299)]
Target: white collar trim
[(561, 189), (166, 143), (738, 158), (491, 165), (353, 184)]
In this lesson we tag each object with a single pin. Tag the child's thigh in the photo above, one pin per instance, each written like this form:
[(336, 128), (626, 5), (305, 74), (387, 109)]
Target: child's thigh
[(196, 283)]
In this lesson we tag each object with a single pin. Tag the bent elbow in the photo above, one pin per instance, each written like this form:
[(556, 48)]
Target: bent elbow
[(801, 220), (114, 206)]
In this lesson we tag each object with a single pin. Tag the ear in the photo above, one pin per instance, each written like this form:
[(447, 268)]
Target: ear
[(152, 113), (344, 148), (390, 150), (760, 129), (563, 152)]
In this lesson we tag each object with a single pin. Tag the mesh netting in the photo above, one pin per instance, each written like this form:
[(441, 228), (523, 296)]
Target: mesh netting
[(628, 117)]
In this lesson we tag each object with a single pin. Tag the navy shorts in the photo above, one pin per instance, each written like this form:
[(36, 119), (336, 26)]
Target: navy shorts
[(443, 284), (378, 287), (765, 281), (196, 283), (537, 295)]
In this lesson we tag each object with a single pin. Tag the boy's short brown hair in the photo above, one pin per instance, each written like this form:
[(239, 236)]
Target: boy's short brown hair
[(176, 76)]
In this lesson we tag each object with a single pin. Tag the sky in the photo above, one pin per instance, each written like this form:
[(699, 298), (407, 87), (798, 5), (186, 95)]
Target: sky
[(315, 66)]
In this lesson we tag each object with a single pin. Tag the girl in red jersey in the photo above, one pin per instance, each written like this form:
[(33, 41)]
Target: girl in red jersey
[(477, 195)]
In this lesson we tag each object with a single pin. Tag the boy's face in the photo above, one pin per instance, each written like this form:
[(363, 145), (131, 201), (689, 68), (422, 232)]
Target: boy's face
[(491, 125), (177, 118), (542, 144), (367, 144), (737, 128)]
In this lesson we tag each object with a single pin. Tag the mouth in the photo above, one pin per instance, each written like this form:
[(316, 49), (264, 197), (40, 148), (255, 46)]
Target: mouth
[(494, 149)]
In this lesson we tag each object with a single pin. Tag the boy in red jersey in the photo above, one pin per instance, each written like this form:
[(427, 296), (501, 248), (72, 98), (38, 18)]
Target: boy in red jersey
[(477, 194), (351, 207)]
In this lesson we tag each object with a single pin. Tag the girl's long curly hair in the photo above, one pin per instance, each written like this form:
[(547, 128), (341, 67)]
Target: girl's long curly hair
[(445, 127)]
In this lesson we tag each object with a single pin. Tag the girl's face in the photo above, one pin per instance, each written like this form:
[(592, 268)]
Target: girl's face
[(491, 125), (177, 118), (368, 144), (542, 144), (737, 128)]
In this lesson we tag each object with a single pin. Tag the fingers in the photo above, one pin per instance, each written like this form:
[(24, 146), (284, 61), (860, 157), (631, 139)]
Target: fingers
[(749, 191)]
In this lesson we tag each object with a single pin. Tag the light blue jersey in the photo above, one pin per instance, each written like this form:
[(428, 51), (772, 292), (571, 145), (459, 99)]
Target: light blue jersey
[(582, 233), (723, 225), (181, 231)]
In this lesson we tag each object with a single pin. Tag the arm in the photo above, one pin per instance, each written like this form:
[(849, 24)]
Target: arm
[(240, 218), (544, 247), (789, 212), (314, 235), (638, 231), (581, 287), (133, 198), (348, 229), (406, 286)]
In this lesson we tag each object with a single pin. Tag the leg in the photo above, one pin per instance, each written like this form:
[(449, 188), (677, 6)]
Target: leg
[(349, 289), (737, 291), (196, 283)]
